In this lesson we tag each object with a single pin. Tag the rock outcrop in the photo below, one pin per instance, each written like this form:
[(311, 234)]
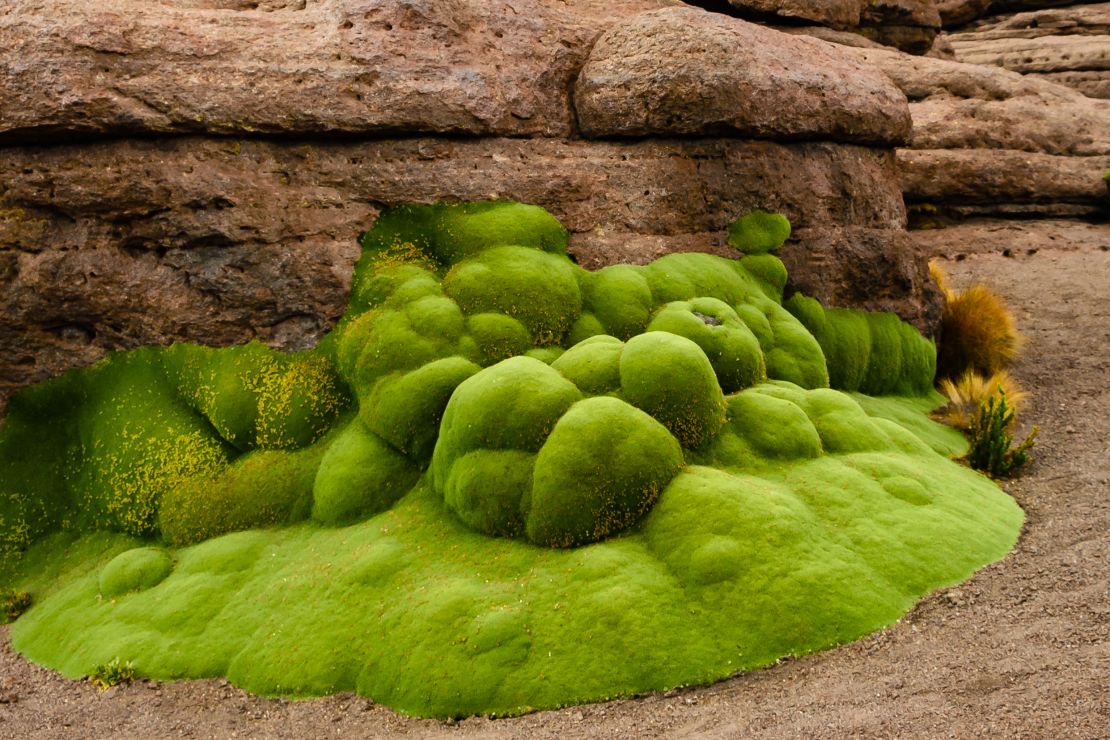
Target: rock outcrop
[(80, 67), (990, 141), (1069, 45), (686, 72), (199, 170)]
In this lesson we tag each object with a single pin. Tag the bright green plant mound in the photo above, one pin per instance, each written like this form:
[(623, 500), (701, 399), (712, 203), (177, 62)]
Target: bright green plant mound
[(502, 483)]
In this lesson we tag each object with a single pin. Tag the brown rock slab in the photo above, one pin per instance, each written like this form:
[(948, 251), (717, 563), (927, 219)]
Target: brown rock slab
[(116, 244), (908, 25), (317, 66), (689, 72), (958, 12), (980, 180)]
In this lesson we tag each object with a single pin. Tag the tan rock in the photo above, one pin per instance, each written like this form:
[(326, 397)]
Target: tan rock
[(1092, 83), (960, 106), (689, 72), (834, 13), (1072, 44), (972, 181), (318, 66)]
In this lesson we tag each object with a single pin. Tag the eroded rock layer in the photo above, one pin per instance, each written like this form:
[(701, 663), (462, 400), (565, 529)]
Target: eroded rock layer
[(199, 170), (1069, 45)]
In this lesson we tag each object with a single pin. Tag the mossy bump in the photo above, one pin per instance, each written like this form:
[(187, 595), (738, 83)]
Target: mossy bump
[(599, 472), (134, 570), (670, 378)]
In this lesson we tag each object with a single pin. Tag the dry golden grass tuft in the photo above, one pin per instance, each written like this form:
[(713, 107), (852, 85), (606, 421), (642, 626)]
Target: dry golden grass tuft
[(978, 332), (971, 389)]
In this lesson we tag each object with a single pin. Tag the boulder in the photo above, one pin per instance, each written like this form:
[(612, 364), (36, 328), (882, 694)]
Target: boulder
[(863, 268), (958, 12), (1068, 45), (688, 72)]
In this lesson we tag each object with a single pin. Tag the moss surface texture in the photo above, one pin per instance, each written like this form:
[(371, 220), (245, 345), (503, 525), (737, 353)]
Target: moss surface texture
[(502, 483)]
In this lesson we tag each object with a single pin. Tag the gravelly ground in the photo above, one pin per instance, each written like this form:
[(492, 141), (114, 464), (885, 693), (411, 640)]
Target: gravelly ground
[(1022, 649)]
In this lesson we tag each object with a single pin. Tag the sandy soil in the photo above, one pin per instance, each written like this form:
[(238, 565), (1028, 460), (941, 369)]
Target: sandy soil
[(1022, 649)]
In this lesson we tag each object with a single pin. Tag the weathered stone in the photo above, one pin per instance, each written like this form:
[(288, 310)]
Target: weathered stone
[(223, 66), (979, 180), (116, 244), (689, 72), (961, 106), (908, 25), (1092, 83), (1072, 44), (958, 12), (834, 13), (832, 35), (901, 13), (864, 268)]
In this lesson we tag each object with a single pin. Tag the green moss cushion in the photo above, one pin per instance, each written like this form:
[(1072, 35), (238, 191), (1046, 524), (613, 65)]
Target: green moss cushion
[(502, 483)]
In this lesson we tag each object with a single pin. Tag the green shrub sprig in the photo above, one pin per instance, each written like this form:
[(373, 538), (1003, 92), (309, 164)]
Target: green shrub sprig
[(112, 673), (992, 445)]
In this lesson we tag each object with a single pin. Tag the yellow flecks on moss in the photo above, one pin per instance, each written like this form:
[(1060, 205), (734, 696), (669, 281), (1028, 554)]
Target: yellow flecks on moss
[(141, 471), (403, 253), (304, 392)]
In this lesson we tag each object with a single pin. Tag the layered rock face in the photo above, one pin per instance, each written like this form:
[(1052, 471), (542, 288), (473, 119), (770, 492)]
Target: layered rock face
[(987, 141), (1068, 45), (198, 170), (909, 25)]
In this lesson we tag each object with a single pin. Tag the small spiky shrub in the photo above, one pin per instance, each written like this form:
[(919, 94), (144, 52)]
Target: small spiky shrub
[(12, 604), (992, 445), (966, 393), (977, 333), (112, 673)]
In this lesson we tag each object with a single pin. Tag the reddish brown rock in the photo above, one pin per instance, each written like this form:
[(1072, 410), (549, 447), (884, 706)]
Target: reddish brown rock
[(112, 245), (908, 25), (317, 66), (958, 12), (864, 268), (688, 72)]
